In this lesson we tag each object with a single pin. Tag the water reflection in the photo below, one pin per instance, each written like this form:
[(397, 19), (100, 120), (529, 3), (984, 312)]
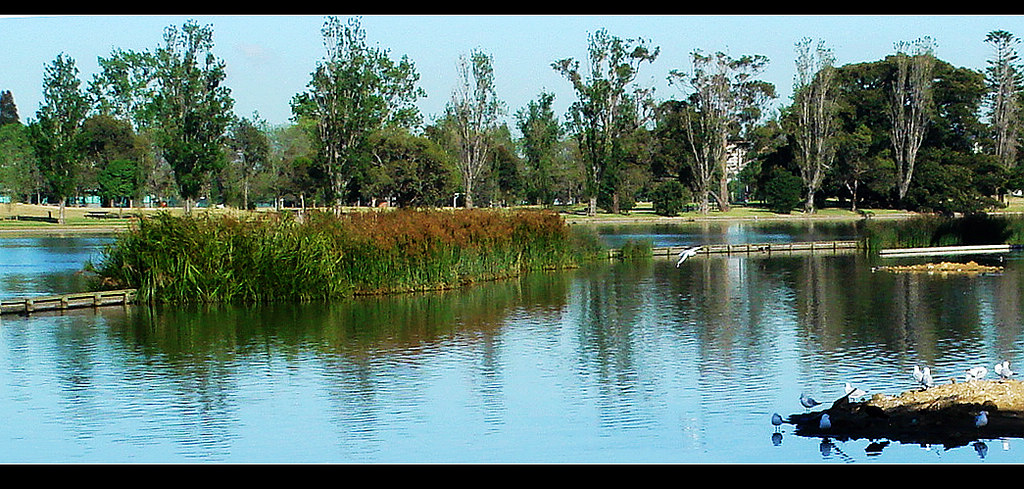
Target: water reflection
[(614, 362)]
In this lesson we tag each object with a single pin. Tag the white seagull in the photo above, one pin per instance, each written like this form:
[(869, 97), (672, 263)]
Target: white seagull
[(807, 401), (1003, 369), (825, 424), (686, 253), (923, 377), (981, 419), (853, 392), (976, 373)]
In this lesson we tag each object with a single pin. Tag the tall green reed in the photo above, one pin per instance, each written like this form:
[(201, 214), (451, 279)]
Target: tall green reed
[(278, 258)]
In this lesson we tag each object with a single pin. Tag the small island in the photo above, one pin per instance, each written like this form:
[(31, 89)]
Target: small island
[(945, 414), (970, 267)]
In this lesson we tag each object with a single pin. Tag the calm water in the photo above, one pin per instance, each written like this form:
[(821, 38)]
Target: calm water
[(613, 363)]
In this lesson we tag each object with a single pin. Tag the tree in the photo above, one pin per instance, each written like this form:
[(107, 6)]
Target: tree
[(105, 139), (8, 110), (19, 173), (725, 98), (55, 132), (191, 107), (910, 105), (474, 111), (119, 180), (541, 134), (355, 91), (410, 170), (669, 198), (125, 86), (604, 109), (782, 191), (814, 106), (1004, 80), (251, 148)]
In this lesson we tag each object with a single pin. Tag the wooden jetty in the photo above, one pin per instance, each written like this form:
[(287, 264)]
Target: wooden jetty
[(67, 301), (754, 248), (945, 250)]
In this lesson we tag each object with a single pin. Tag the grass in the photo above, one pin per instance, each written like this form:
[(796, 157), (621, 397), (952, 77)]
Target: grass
[(275, 257)]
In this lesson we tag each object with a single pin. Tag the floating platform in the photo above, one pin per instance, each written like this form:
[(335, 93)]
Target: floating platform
[(67, 301), (945, 250), (945, 414)]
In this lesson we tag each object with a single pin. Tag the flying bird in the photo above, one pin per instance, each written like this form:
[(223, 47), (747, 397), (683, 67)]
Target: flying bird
[(1003, 369), (976, 373), (807, 401), (686, 253)]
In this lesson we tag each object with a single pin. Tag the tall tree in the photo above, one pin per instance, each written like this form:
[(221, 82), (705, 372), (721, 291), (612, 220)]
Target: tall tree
[(541, 133), (910, 105), (605, 108), (474, 111), (192, 107), (1004, 79), (19, 171), (814, 107), (250, 146), (55, 132), (8, 110), (725, 98), (355, 90), (124, 87)]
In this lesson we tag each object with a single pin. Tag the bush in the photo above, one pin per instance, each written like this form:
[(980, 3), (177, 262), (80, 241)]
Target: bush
[(782, 191), (669, 198)]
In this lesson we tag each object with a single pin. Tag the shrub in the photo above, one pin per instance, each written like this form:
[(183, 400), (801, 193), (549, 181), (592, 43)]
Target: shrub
[(782, 191), (669, 198)]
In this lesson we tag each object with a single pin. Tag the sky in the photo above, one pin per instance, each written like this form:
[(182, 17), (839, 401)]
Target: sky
[(270, 58)]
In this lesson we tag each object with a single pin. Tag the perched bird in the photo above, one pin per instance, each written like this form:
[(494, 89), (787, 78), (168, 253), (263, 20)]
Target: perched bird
[(853, 392), (686, 253), (1003, 369), (981, 419), (807, 401), (923, 377), (824, 423), (976, 373), (776, 419)]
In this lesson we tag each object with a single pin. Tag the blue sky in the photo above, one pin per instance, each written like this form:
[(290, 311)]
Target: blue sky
[(270, 57)]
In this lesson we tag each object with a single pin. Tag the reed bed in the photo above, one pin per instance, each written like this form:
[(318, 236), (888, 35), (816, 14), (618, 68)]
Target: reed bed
[(927, 231), (210, 258)]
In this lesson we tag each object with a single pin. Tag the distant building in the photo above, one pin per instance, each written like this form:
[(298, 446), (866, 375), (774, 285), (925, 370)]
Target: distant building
[(736, 158)]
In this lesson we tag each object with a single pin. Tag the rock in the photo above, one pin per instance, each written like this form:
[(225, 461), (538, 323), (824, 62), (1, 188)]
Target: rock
[(944, 414)]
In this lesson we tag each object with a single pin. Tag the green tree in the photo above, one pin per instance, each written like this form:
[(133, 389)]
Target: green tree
[(410, 170), (191, 107), (119, 181), (355, 91), (911, 105), (669, 198), (55, 132), (125, 86), (105, 139), (19, 173), (541, 134), (250, 147), (8, 109), (605, 108), (782, 191)]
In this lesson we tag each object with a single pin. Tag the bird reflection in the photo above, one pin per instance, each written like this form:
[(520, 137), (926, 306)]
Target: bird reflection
[(875, 449), (981, 448), (776, 438)]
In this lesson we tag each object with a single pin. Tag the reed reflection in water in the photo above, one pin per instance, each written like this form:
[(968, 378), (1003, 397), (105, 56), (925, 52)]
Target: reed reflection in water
[(615, 362)]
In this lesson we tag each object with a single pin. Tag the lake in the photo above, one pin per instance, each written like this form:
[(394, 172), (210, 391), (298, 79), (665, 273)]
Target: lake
[(611, 363)]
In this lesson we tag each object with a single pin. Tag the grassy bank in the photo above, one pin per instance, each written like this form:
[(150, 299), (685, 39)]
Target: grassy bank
[(924, 231), (226, 258)]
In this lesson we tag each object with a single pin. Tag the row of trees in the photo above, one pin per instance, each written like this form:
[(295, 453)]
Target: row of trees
[(908, 131)]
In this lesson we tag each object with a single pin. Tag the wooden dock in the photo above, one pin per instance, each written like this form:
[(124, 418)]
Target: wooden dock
[(752, 248), (67, 301)]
